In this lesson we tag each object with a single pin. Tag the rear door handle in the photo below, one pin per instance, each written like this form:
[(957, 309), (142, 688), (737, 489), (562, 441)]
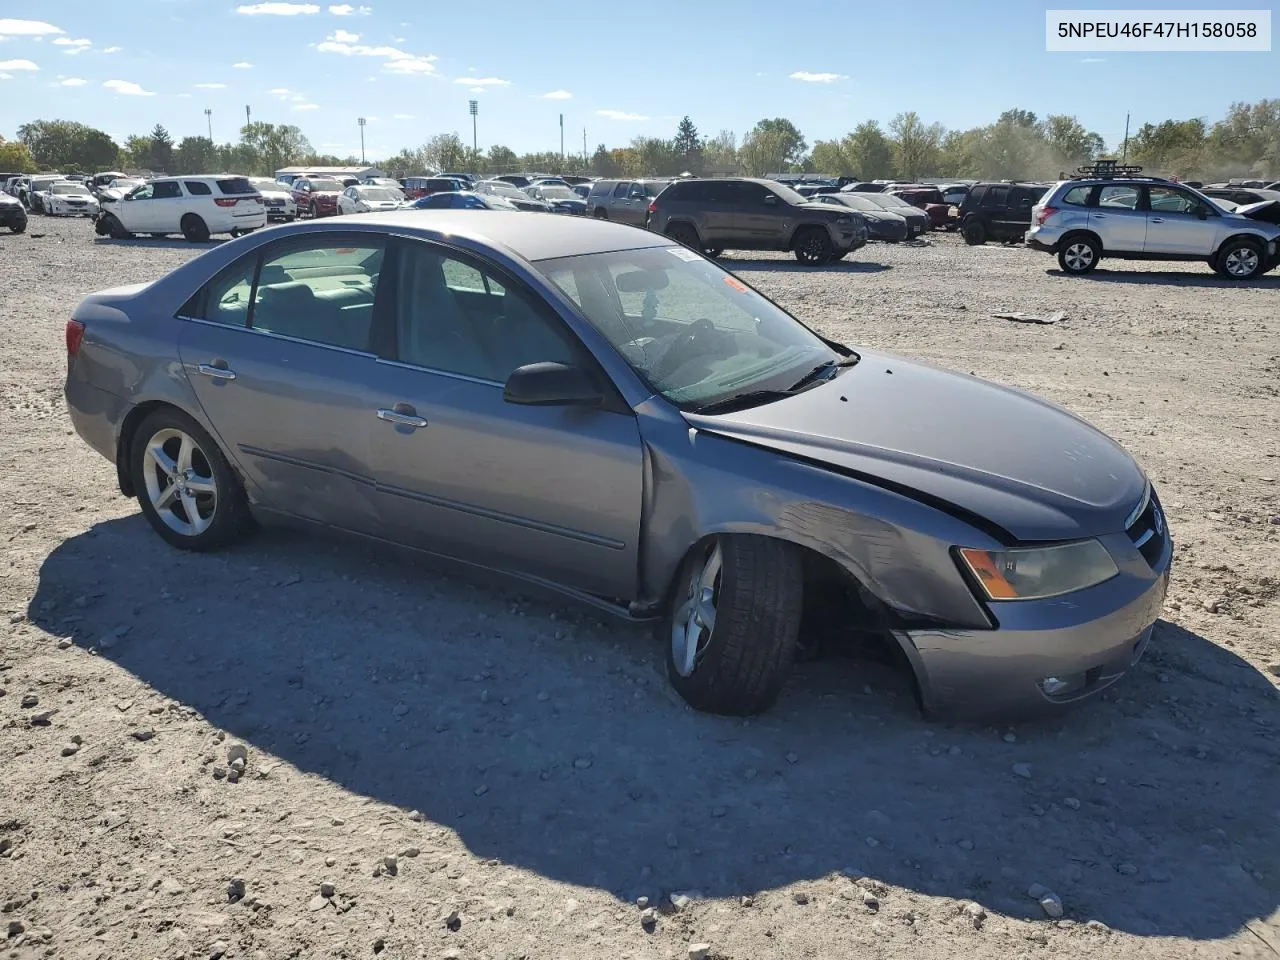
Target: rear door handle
[(1156, 220), (1101, 216), (218, 373), (409, 419)]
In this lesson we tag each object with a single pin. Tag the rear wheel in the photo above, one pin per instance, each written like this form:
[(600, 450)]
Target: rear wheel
[(684, 233), (1239, 260), (187, 490), (813, 246), (975, 234), (194, 229), (733, 622), (1079, 254)]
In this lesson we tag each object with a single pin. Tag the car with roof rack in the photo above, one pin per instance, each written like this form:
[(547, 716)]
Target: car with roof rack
[(1112, 210)]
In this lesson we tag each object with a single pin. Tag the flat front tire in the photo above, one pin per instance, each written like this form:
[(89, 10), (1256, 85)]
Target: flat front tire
[(185, 486), (732, 623)]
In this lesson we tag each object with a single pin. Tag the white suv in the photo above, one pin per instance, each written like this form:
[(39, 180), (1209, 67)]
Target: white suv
[(196, 207)]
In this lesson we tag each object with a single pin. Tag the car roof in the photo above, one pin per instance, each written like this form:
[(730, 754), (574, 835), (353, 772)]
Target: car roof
[(523, 234)]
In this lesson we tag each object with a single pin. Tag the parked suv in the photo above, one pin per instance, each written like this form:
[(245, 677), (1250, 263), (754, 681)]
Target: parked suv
[(415, 187), (998, 211), (1147, 218), (714, 215), (626, 201), (316, 196), (196, 207)]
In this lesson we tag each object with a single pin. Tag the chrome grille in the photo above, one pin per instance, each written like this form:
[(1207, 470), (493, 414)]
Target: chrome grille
[(1147, 528)]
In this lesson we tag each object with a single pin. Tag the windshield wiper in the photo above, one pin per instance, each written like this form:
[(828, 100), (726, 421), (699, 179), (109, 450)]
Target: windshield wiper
[(826, 366), (751, 398)]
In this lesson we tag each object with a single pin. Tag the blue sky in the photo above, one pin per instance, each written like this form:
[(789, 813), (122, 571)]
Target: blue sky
[(620, 73)]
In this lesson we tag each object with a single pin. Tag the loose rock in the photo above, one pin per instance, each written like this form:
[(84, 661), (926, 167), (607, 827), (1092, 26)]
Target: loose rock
[(699, 951), (235, 890), (144, 734), (327, 890)]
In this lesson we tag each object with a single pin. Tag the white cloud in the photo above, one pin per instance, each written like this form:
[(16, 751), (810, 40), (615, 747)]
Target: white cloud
[(345, 36), (1093, 59), (184, 96), (280, 91), (242, 65), (484, 81), (76, 45), (402, 116), (620, 115), (475, 89), (558, 95), (73, 82), (17, 65), (6, 76), (397, 39), (210, 86), (306, 106), (808, 77), (412, 65), (27, 28), (126, 88), (398, 61), (277, 9), (112, 49), (346, 10), (298, 98)]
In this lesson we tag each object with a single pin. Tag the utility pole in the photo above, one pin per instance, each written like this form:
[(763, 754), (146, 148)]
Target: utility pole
[(562, 136), (584, 148), (474, 106), (248, 116), (208, 116), (1125, 152), (361, 121)]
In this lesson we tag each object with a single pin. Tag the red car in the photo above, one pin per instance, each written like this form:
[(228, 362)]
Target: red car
[(928, 199), (317, 196)]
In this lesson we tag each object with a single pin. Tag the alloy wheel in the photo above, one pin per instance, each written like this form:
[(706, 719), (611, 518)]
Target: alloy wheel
[(694, 620), (1079, 256), (180, 483), (1241, 262), (812, 248)]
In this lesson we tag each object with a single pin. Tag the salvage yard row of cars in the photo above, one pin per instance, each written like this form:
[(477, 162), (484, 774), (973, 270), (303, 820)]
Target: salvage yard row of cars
[(1102, 211)]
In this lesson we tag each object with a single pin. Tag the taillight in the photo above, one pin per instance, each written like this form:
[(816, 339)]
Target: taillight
[(75, 336), (653, 206), (226, 201), (1044, 214)]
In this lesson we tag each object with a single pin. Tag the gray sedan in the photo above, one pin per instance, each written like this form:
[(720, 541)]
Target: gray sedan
[(917, 220), (598, 410)]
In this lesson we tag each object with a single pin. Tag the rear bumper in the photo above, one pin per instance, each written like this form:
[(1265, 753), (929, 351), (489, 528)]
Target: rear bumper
[(1040, 245), (12, 216), (95, 414), (1081, 644)]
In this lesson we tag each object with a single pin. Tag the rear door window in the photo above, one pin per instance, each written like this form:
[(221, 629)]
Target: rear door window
[(996, 197), (1118, 196)]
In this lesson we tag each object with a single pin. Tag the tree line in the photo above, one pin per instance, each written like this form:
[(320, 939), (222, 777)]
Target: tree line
[(1019, 144)]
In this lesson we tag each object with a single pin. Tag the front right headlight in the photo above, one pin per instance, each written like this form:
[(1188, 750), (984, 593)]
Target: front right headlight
[(1037, 573)]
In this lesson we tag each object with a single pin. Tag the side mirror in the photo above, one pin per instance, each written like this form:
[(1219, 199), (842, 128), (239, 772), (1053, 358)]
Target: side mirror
[(770, 200), (549, 384)]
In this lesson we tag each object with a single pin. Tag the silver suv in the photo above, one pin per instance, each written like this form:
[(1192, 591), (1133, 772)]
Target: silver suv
[(1147, 218)]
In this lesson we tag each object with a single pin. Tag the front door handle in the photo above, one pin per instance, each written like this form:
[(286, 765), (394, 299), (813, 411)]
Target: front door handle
[(217, 372), (402, 418), (1101, 216), (1156, 220)]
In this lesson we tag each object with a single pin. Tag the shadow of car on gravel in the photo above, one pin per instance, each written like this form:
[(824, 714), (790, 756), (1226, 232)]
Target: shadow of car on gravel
[(760, 265), (1171, 278), (552, 742), (161, 243)]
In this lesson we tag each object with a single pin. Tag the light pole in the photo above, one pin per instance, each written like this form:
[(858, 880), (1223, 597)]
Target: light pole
[(474, 106), (562, 136), (208, 116), (361, 121)]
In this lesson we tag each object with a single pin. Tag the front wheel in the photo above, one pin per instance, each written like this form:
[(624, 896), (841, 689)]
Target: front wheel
[(813, 247), (315, 211), (732, 623), (1239, 260), (713, 252), (974, 233), (116, 230), (187, 490), (1079, 255), (18, 227)]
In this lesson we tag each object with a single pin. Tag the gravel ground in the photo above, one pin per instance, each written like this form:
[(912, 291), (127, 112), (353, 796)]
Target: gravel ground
[(441, 765)]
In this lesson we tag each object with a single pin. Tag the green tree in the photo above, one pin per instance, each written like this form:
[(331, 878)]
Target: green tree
[(1018, 118), (917, 145), (687, 146), (829, 157), (772, 146), (501, 159), (720, 153), (161, 149), (55, 144), (603, 163), (868, 151), (1177, 146), (1072, 145), (444, 152), (273, 146), (195, 155), (15, 156)]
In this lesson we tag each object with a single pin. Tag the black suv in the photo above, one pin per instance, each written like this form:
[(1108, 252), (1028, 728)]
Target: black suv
[(713, 215), (998, 211)]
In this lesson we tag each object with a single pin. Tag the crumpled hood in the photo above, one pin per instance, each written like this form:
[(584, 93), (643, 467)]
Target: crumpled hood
[(1265, 211), (1024, 464)]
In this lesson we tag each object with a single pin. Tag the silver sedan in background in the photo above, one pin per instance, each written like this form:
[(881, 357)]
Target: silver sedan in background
[(596, 409)]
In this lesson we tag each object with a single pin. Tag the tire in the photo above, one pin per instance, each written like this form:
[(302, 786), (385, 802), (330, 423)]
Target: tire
[(975, 234), (220, 507), (753, 588), (713, 252), (194, 230), (601, 213), (315, 212), (158, 236), (116, 230), (812, 246), (18, 227), (684, 233), (1079, 254), (1239, 260)]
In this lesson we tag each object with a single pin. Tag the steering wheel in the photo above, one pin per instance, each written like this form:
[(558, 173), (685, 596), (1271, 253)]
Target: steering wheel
[(700, 336)]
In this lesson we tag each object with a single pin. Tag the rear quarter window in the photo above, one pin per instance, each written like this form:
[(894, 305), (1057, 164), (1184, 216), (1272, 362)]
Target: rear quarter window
[(197, 188), (1077, 196), (235, 186)]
